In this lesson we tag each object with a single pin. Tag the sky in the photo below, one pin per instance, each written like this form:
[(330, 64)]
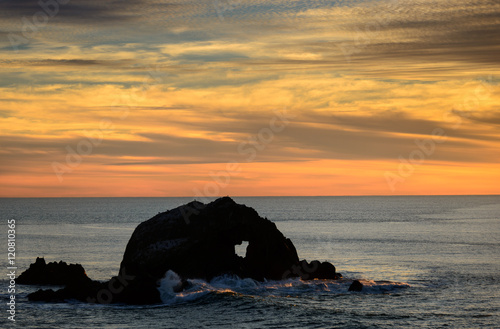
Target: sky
[(249, 98)]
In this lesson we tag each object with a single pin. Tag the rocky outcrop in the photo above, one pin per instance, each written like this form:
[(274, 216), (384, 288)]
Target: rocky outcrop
[(120, 289), (195, 240), (198, 241), (53, 273), (317, 270)]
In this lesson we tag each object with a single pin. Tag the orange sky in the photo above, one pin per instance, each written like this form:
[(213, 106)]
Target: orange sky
[(327, 98)]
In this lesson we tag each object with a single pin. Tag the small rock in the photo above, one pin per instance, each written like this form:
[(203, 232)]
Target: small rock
[(356, 286), (54, 273)]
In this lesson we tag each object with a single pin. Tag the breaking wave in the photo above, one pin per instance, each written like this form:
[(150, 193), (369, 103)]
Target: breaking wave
[(235, 286)]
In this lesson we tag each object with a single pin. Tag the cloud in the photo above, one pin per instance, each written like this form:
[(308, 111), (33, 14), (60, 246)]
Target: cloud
[(364, 79), (328, 143), (401, 122), (92, 22), (76, 11), (376, 137), (51, 63), (425, 39), (431, 31), (490, 118), (5, 113)]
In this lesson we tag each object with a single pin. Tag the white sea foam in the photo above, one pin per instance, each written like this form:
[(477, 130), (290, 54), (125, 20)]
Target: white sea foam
[(233, 285)]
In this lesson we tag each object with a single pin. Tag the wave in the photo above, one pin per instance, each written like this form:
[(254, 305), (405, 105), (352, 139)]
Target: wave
[(234, 286)]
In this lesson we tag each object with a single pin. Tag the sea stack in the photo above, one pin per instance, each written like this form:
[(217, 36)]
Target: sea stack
[(198, 240)]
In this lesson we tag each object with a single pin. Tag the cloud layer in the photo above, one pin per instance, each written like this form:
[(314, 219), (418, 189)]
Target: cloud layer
[(185, 87)]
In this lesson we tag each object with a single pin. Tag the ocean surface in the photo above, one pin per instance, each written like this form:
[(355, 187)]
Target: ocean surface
[(426, 262)]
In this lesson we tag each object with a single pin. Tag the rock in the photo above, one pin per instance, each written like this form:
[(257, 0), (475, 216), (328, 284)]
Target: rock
[(48, 295), (120, 289), (78, 286), (313, 270), (356, 286), (197, 241), (318, 270), (137, 291), (53, 273), (83, 292)]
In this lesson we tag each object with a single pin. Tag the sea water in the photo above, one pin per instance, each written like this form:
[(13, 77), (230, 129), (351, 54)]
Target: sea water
[(425, 261)]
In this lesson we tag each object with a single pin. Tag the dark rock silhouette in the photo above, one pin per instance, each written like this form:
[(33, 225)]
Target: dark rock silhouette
[(195, 240), (356, 286), (53, 273), (72, 291), (318, 270), (120, 289), (198, 241), (77, 284)]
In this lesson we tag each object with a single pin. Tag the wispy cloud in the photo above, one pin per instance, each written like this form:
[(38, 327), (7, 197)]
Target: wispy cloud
[(364, 80)]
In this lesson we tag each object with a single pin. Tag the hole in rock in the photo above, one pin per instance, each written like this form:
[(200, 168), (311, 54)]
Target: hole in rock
[(241, 249)]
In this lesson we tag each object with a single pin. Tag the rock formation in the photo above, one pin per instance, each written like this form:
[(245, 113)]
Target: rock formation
[(53, 273), (196, 240), (120, 289)]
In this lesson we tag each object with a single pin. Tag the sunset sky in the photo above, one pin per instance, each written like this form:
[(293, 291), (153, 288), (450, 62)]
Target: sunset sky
[(248, 98)]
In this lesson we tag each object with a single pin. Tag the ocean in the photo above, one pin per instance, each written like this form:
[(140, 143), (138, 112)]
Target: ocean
[(425, 261)]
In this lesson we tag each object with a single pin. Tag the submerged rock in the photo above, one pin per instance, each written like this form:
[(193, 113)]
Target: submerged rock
[(356, 286)]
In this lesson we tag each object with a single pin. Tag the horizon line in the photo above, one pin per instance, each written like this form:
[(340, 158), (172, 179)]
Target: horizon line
[(247, 196)]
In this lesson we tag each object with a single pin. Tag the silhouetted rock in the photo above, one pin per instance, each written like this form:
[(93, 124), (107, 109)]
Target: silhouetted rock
[(53, 273), (82, 292), (130, 290), (356, 286), (48, 295), (318, 270), (198, 241), (195, 240), (124, 288)]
